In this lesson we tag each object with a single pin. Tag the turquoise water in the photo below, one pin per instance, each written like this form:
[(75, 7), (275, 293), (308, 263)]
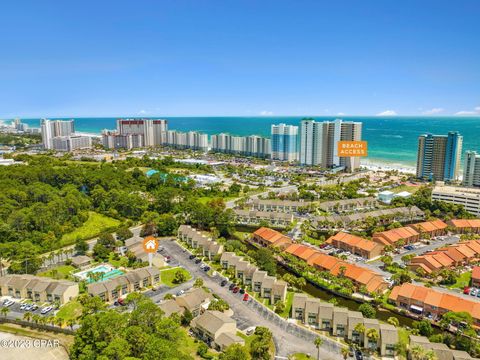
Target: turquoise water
[(391, 139), (109, 273)]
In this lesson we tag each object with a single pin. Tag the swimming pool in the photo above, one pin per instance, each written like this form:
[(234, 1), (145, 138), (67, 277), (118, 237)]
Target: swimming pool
[(107, 271)]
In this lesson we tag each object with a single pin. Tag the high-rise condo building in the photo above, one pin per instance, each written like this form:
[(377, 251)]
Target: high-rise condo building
[(154, 131), (114, 140), (253, 145), (284, 142), (318, 143), (53, 128), (71, 143), (187, 140), (439, 156), (471, 169)]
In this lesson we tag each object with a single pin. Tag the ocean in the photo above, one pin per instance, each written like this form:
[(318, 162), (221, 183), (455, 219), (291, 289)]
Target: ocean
[(391, 140)]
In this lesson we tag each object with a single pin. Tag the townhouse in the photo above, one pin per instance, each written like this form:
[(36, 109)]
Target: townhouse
[(195, 300), (284, 206), (343, 323), (38, 289), (135, 280), (442, 351), (446, 257), (465, 225), (254, 217), (431, 303), (216, 329), (361, 277), (365, 248), (476, 276), (431, 228), (135, 246), (270, 238), (396, 237), (339, 206), (208, 247), (268, 287)]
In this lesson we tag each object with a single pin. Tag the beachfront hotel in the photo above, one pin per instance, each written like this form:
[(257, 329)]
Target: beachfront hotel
[(60, 135), (471, 169), (438, 156), (318, 143), (252, 145), (284, 142)]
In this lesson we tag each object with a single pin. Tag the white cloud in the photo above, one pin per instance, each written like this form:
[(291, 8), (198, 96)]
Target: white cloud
[(387, 113), (433, 111), (341, 114), (475, 111), (266, 113), (142, 112)]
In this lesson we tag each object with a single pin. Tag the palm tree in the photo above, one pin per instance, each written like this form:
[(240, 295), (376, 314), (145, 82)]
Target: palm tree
[(36, 318), (5, 311), (345, 353), (419, 353), (392, 320), (373, 336), (318, 342), (50, 319), (360, 329), (27, 316)]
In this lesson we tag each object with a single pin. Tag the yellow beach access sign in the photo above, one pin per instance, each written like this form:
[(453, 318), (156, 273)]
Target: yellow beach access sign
[(352, 148)]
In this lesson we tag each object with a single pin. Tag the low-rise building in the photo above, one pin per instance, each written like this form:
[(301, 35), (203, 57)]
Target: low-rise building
[(465, 225), (397, 237), (468, 197), (254, 217), (216, 329), (367, 249), (38, 289), (442, 351), (81, 261), (209, 248), (195, 300), (345, 205), (170, 307), (343, 323), (476, 276), (431, 228), (268, 237), (283, 206), (386, 196), (135, 280)]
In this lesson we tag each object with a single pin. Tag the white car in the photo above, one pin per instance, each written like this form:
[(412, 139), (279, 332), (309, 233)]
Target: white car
[(46, 309), (202, 265), (8, 303), (249, 331)]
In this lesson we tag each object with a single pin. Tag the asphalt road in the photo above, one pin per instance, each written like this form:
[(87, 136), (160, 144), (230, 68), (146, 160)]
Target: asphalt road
[(248, 314)]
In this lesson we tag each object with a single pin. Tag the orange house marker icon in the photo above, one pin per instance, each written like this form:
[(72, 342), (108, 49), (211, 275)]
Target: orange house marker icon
[(150, 245)]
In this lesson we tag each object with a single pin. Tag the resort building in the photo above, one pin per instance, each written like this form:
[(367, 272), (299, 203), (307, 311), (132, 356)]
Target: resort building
[(216, 329), (284, 142), (397, 237), (187, 140), (253, 145), (112, 139), (442, 351), (367, 249), (135, 280), (197, 240), (465, 225), (471, 169), (253, 217), (342, 323), (51, 129), (432, 303), (38, 289), (339, 206), (71, 143), (267, 286), (268, 237), (439, 156), (468, 197), (152, 131), (360, 276), (285, 206), (318, 143)]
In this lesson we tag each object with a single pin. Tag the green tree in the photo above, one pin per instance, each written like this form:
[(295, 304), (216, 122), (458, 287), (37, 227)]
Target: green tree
[(318, 343), (198, 282), (179, 277), (367, 310), (392, 320), (5, 311), (235, 352), (81, 246), (186, 318), (424, 327)]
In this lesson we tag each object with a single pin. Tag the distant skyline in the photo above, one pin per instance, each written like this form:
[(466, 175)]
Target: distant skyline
[(249, 58)]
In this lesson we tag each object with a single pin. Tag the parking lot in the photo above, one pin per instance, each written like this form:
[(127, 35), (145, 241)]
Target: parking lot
[(17, 310)]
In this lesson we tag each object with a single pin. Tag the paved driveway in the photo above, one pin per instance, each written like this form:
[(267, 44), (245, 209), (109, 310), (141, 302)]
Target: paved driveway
[(289, 338)]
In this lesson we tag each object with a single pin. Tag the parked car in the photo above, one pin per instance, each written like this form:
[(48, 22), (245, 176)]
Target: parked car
[(250, 330), (245, 297), (466, 290), (202, 265), (46, 310), (231, 286), (121, 302), (473, 292), (235, 289), (197, 261), (8, 303), (23, 306), (191, 257), (34, 307), (358, 355), (223, 283), (206, 268), (242, 291), (181, 292)]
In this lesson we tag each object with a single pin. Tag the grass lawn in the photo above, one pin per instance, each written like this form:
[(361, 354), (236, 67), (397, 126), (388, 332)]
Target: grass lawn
[(167, 276), (122, 261), (65, 340), (206, 199), (300, 356), (288, 304), (462, 281), (190, 345), (70, 310), (59, 272), (95, 224), (410, 189)]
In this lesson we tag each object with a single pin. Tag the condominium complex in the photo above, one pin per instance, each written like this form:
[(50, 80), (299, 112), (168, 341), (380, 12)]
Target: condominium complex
[(112, 139), (284, 142), (253, 145), (187, 140), (468, 197), (318, 142), (471, 169), (152, 130), (71, 143), (54, 128), (439, 156)]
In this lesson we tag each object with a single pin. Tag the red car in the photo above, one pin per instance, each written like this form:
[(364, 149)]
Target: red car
[(466, 290), (235, 289), (245, 297)]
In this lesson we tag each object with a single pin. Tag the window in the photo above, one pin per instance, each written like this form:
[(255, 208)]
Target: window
[(326, 324)]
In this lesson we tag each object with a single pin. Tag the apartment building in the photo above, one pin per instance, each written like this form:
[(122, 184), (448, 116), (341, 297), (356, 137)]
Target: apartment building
[(253, 145), (153, 131), (465, 225), (209, 248), (361, 277), (343, 323), (112, 139), (216, 329), (267, 286), (318, 143), (394, 237), (339, 206), (71, 143), (135, 280), (471, 169), (442, 351), (38, 289), (365, 248), (468, 197), (267, 237), (187, 140), (438, 156), (432, 303), (430, 228), (253, 217), (55, 128), (284, 142), (285, 206)]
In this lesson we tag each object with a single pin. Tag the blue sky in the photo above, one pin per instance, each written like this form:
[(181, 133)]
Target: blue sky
[(245, 58)]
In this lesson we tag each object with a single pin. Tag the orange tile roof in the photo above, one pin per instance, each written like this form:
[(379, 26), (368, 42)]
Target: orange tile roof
[(273, 237), (314, 257), (430, 226), (307, 253), (327, 263), (465, 250), (476, 273), (353, 241), (375, 284), (465, 223), (427, 259), (424, 267), (420, 293), (474, 245), (394, 293), (454, 254), (433, 298), (394, 235), (443, 258)]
